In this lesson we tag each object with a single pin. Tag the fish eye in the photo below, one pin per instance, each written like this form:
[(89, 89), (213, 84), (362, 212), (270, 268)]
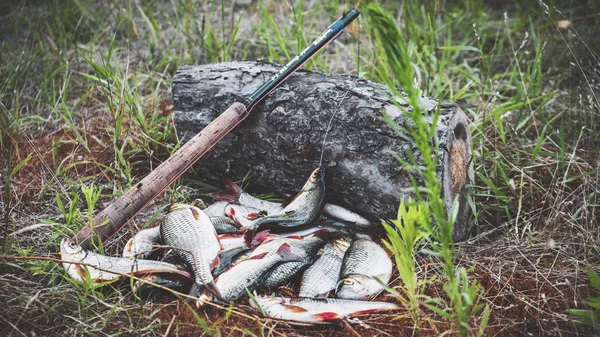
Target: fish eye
[(348, 282), (72, 244)]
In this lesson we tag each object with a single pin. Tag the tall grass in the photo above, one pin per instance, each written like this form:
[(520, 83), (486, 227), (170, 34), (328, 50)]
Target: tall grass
[(463, 295)]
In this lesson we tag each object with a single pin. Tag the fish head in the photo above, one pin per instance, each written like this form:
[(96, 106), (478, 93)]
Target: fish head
[(70, 250), (188, 211), (357, 287), (316, 179), (342, 244)]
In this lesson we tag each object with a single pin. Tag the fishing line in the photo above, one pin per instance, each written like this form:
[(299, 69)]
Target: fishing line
[(329, 127)]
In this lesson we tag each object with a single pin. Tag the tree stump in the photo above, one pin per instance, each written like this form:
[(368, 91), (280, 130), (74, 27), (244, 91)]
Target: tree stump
[(279, 144)]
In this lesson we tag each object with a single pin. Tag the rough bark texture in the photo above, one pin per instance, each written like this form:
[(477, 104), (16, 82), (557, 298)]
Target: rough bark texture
[(279, 143)]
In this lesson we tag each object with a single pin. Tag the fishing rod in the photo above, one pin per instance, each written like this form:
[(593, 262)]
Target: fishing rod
[(110, 220)]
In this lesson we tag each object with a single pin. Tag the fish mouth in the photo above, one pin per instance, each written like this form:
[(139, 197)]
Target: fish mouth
[(318, 173), (341, 244), (177, 206)]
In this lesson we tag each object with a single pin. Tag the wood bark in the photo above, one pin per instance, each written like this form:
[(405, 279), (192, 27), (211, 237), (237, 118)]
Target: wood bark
[(279, 144)]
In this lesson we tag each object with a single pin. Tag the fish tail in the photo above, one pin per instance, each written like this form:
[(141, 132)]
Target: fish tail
[(285, 251), (231, 194), (212, 287), (194, 292)]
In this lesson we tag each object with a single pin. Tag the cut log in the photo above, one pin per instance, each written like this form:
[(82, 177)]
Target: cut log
[(279, 144)]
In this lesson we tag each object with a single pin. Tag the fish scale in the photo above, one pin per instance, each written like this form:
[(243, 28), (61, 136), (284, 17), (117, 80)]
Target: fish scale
[(322, 276), (303, 208), (191, 233), (282, 272), (244, 276), (305, 248), (141, 244), (364, 266), (364, 256)]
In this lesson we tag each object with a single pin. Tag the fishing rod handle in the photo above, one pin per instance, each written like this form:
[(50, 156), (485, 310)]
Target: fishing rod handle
[(111, 219)]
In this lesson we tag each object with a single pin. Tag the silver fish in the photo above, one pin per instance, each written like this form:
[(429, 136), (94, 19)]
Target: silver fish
[(322, 310), (344, 214), (216, 209), (141, 244), (270, 234), (365, 264), (233, 240), (235, 281), (305, 248), (322, 276), (187, 229), (228, 258), (224, 225), (300, 245), (243, 215), (235, 194), (303, 208), (102, 268)]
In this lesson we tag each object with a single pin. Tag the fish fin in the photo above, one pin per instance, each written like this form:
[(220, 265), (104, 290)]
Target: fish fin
[(327, 316), (372, 311), (249, 238), (291, 199), (323, 295), (253, 216), (212, 287), (249, 235), (195, 212), (215, 262), (231, 194), (194, 292), (260, 237), (294, 308), (285, 251), (258, 256), (324, 234)]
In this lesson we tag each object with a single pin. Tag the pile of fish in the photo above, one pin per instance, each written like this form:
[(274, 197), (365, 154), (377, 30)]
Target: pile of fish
[(241, 244)]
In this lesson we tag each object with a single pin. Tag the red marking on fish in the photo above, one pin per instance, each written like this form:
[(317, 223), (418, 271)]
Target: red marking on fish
[(252, 216), (195, 212), (285, 251), (260, 237), (322, 234), (232, 193), (215, 263), (367, 311), (294, 308), (327, 316), (79, 269), (295, 237), (258, 256)]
